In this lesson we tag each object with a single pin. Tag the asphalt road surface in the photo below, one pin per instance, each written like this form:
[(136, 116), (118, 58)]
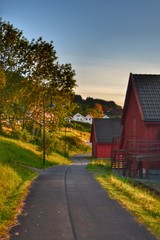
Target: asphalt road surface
[(66, 203)]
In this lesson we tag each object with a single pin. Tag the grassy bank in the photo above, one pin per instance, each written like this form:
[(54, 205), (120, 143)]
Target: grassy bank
[(17, 159), (14, 183), (138, 199), (18, 152)]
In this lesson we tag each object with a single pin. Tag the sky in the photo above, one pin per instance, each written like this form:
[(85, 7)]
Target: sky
[(104, 40)]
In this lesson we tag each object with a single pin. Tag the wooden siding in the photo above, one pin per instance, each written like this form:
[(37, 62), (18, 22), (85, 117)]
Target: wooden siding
[(135, 128), (104, 150), (134, 125)]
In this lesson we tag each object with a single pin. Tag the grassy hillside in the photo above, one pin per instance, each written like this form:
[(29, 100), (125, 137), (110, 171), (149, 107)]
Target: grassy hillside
[(18, 152), (81, 126), (17, 163), (20, 163)]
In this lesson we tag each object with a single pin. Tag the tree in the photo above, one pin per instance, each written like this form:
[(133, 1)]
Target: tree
[(61, 87), (15, 95), (2, 78), (2, 85), (33, 75), (13, 48), (95, 106), (65, 78), (99, 109)]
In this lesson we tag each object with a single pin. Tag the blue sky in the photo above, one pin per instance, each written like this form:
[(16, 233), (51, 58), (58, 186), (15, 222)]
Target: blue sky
[(104, 40)]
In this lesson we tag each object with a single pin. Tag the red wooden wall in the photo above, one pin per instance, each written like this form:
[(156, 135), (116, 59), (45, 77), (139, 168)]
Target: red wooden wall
[(101, 150), (104, 150), (134, 127)]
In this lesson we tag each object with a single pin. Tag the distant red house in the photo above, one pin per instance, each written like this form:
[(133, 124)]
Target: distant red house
[(102, 132), (141, 119)]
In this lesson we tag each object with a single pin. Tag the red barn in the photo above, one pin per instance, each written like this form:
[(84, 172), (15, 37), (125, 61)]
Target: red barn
[(141, 114), (102, 133), (141, 120)]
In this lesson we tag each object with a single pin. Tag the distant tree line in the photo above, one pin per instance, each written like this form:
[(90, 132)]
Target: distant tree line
[(96, 107)]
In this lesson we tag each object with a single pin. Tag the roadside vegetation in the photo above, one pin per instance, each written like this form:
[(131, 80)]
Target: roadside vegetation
[(18, 161), (140, 200), (20, 164)]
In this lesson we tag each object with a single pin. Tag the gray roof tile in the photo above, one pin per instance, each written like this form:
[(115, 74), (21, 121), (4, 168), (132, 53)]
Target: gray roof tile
[(148, 88), (106, 129)]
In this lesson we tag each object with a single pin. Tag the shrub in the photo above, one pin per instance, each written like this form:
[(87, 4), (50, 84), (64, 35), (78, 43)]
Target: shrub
[(21, 134)]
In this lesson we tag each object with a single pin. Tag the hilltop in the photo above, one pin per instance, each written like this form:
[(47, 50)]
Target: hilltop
[(97, 107)]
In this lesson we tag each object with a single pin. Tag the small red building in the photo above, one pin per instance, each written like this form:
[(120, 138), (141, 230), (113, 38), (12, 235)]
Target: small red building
[(102, 132)]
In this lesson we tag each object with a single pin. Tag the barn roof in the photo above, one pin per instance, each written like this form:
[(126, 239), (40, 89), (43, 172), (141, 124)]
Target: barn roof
[(106, 128), (147, 87)]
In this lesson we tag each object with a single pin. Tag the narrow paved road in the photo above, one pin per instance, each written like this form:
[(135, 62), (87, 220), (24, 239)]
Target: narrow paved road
[(66, 203)]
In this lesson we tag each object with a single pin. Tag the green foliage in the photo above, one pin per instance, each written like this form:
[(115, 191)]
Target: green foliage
[(75, 145), (2, 85), (21, 134), (13, 48), (49, 144), (63, 144), (33, 76), (2, 78), (84, 127)]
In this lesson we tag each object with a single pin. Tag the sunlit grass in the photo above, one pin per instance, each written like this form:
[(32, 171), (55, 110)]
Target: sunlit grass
[(14, 183), (18, 152), (99, 165), (58, 159), (137, 198), (17, 163), (19, 166)]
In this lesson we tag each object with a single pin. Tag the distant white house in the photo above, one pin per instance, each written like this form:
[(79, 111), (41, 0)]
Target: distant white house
[(78, 117), (105, 116), (88, 119)]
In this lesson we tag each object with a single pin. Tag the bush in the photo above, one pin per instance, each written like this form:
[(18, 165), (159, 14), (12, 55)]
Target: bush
[(21, 134), (84, 127), (52, 144), (75, 144)]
